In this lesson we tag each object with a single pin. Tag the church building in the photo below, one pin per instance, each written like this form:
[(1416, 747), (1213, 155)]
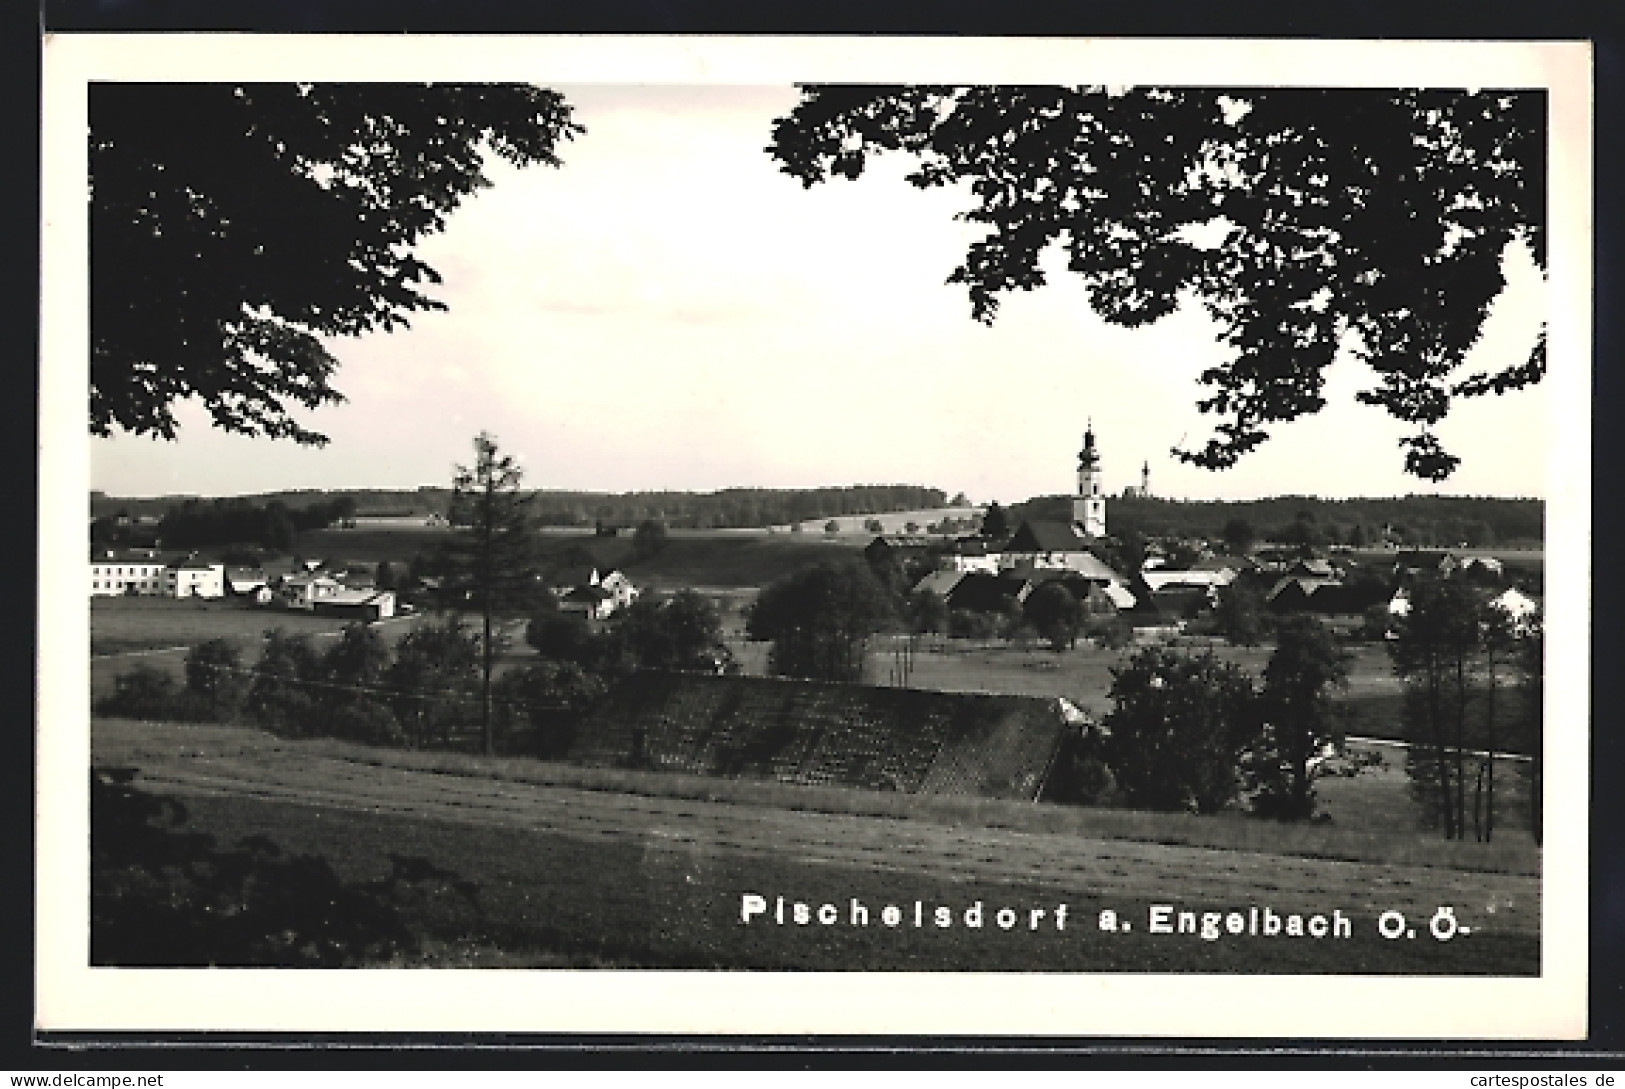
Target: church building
[(1039, 544), (1089, 508)]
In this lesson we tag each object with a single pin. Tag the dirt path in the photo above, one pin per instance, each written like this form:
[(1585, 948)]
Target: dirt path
[(240, 763)]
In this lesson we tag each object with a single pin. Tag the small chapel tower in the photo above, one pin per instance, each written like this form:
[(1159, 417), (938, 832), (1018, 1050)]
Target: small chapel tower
[(1145, 481), (1089, 508)]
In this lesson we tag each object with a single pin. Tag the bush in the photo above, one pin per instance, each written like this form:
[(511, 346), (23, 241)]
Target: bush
[(564, 637), (215, 679), (1113, 633), (546, 701), (1178, 729), (435, 683), (283, 697), (649, 539), (148, 692), (366, 722), (1080, 775), (163, 896), (820, 620), (966, 624), (682, 633)]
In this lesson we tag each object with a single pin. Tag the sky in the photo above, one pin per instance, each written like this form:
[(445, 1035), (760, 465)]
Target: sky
[(669, 310)]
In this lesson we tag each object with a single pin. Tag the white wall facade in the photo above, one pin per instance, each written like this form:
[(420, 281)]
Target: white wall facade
[(112, 578), (200, 581)]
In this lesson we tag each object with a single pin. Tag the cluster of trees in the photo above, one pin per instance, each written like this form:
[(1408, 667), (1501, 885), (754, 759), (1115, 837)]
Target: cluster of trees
[(215, 523), (424, 692), (1368, 216), (1473, 686), (1384, 196), (1424, 521), (681, 633), (820, 619), (1192, 733), (263, 218)]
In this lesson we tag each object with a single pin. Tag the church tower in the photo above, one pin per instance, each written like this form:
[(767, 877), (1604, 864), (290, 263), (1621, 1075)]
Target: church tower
[(1089, 508), (1145, 481)]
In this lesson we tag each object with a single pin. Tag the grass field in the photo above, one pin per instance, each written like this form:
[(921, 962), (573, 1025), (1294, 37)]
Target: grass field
[(718, 558), (1082, 675), (629, 878), (157, 632), (119, 625)]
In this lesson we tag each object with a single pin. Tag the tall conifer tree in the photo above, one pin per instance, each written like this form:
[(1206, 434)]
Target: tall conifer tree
[(491, 558)]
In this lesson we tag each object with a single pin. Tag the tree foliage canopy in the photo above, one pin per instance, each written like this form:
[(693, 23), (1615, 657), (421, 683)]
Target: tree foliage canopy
[(1178, 729), (820, 620), (491, 560), (1307, 666), (1303, 219), (233, 227)]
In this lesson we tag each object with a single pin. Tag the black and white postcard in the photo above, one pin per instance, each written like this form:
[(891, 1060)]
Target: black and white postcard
[(826, 535)]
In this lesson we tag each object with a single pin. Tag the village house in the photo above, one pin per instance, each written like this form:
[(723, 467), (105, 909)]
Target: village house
[(589, 601), (1522, 610), (249, 582), (973, 554), (304, 589), (361, 604), (981, 575), (585, 592), (194, 577), (145, 572), (129, 571)]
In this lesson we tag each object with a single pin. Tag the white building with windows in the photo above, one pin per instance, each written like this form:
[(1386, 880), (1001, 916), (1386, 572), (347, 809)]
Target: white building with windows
[(128, 571), (192, 577)]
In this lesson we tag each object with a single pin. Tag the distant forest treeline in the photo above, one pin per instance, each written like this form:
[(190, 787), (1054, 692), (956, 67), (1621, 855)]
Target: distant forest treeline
[(270, 519), (1415, 519), (198, 523), (1420, 520)]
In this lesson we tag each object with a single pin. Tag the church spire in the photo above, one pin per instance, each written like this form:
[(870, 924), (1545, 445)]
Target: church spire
[(1089, 508)]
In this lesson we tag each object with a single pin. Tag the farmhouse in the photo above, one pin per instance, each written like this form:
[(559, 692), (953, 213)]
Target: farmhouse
[(304, 590), (147, 572), (1520, 608), (585, 592), (620, 588), (365, 604), (589, 601), (132, 571), (192, 577), (1203, 578), (973, 554)]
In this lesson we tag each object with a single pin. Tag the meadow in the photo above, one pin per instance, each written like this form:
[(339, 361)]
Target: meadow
[(157, 632), (121, 625), (618, 872), (729, 559), (1083, 674)]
